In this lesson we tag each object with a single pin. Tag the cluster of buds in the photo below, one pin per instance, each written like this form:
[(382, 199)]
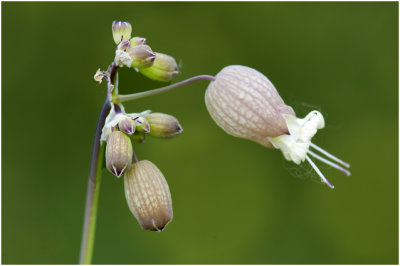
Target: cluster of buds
[(121, 129), (146, 190), (135, 53), (245, 104)]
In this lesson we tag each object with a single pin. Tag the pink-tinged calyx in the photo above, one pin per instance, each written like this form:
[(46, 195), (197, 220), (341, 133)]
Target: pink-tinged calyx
[(244, 103)]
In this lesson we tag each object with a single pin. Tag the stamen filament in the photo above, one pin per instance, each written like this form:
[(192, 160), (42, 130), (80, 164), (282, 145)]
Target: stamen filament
[(327, 154), (316, 156), (319, 172)]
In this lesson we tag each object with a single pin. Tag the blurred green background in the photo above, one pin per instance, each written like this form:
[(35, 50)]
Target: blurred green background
[(235, 201)]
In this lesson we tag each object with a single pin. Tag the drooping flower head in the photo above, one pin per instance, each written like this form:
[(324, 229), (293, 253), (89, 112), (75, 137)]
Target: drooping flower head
[(245, 104)]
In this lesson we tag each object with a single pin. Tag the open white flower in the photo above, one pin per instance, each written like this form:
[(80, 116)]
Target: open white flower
[(244, 103)]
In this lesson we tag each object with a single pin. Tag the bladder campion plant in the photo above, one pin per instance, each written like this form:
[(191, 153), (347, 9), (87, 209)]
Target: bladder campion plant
[(241, 100)]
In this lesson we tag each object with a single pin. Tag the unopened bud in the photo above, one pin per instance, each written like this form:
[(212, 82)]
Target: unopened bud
[(148, 196), (142, 56), (141, 124), (163, 125), (124, 45), (127, 125), (121, 31), (163, 69), (138, 137), (119, 153), (137, 41), (245, 104)]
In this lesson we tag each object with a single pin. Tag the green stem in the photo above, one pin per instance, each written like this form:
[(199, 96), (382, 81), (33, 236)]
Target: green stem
[(129, 97), (86, 257), (92, 196)]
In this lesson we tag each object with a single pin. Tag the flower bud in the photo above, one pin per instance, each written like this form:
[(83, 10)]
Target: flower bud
[(137, 41), (245, 104), (141, 124), (127, 125), (138, 137), (163, 69), (163, 125), (124, 45), (142, 56), (119, 153), (121, 31), (148, 196)]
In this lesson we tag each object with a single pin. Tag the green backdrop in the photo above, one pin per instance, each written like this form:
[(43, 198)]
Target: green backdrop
[(234, 201)]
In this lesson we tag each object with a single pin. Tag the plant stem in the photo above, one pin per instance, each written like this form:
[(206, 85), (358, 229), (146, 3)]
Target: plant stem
[(124, 98), (92, 195)]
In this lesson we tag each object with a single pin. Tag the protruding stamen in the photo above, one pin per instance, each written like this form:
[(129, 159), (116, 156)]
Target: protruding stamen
[(319, 172), (327, 154), (329, 163)]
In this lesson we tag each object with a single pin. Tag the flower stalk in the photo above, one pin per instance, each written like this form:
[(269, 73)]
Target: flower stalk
[(134, 96)]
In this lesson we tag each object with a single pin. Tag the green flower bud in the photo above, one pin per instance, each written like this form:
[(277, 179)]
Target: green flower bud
[(163, 125), (127, 125), (138, 137), (119, 153), (163, 69), (137, 41), (142, 56), (148, 196), (121, 31), (141, 124)]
